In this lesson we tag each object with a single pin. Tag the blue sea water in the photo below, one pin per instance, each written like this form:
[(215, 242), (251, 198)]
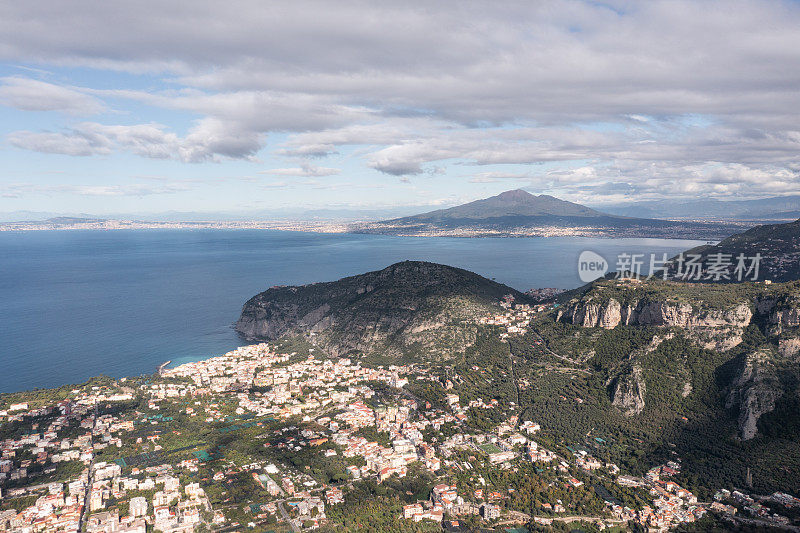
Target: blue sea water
[(75, 304)]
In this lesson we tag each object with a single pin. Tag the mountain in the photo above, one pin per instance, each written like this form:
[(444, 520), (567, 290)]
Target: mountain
[(409, 306), (509, 204), (637, 373), (42, 216), (764, 209), (709, 369), (777, 244), (519, 213)]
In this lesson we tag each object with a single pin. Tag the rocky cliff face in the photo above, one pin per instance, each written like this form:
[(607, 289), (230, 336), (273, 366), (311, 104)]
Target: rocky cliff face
[(782, 319), (714, 328), (712, 318), (754, 392), (611, 313), (789, 348), (628, 392), (388, 311)]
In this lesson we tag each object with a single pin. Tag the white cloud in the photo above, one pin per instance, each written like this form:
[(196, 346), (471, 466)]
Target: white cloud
[(33, 95), (76, 142), (305, 170), (209, 139), (122, 190), (653, 180), (17, 190)]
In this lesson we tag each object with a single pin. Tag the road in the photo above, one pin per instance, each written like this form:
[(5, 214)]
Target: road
[(514, 378), (766, 524), (547, 349), (90, 482), (596, 519), (285, 515), (514, 517)]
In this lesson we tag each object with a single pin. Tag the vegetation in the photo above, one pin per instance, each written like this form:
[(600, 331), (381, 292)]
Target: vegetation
[(376, 312)]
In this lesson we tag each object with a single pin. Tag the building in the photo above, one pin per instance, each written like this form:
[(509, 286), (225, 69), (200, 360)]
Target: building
[(334, 495), (412, 510), (490, 512), (138, 507)]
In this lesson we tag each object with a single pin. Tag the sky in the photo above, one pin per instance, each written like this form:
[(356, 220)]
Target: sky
[(239, 107)]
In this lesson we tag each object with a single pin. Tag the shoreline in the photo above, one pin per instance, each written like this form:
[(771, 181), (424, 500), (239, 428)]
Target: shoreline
[(163, 366), (520, 266), (681, 230)]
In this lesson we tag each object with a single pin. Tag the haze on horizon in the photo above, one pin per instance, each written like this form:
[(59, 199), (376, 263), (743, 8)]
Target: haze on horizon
[(148, 107)]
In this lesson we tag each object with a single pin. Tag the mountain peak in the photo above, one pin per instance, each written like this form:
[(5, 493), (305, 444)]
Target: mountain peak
[(517, 204), (515, 195)]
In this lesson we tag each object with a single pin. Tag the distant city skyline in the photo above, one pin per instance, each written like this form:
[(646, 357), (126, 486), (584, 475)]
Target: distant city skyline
[(242, 107)]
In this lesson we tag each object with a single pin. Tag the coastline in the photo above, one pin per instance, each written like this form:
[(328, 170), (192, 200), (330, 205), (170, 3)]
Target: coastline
[(163, 366), (127, 301), (677, 230)]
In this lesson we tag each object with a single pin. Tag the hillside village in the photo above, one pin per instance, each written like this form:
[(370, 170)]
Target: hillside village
[(297, 435)]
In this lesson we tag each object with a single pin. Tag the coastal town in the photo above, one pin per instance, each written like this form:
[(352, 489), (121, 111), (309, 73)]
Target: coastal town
[(66, 223), (679, 229), (400, 267), (277, 436)]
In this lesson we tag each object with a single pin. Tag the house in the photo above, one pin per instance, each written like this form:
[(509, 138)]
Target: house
[(107, 522), (412, 510), (161, 513), (191, 515), (334, 495), (445, 495)]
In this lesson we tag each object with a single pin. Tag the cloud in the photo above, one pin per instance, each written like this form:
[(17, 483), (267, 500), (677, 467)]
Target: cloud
[(305, 170), (209, 139), (654, 180), (275, 185), (17, 190), (121, 190), (33, 95), (493, 177), (470, 63), (212, 137), (76, 142), (704, 94)]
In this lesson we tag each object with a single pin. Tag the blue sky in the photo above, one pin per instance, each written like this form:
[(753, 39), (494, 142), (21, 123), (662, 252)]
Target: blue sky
[(243, 107)]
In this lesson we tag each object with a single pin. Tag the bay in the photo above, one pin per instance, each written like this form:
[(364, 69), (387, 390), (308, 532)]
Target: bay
[(75, 304)]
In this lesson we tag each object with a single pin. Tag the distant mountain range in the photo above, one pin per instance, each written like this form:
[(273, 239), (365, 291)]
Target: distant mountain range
[(764, 209), (519, 213), (510, 203), (343, 214)]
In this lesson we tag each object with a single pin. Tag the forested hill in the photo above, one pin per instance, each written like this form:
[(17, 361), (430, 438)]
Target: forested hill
[(409, 304)]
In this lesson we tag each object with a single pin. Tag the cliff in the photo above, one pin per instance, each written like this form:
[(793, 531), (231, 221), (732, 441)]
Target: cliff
[(629, 391), (715, 320), (754, 391)]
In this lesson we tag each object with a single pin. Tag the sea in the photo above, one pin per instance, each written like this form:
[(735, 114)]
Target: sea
[(77, 304)]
